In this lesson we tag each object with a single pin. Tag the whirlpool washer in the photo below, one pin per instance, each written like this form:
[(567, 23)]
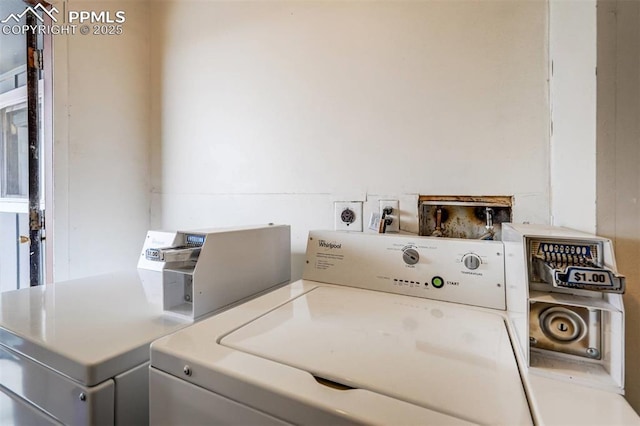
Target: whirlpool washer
[(382, 330)]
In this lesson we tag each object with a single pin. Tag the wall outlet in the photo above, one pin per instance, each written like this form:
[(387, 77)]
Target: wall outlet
[(348, 216), (390, 209)]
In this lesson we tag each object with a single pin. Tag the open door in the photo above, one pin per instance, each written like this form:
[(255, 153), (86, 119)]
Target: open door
[(23, 150)]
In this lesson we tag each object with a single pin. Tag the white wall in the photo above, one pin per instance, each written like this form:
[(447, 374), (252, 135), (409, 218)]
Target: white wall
[(270, 111), (618, 153), (594, 147), (101, 144), (572, 49)]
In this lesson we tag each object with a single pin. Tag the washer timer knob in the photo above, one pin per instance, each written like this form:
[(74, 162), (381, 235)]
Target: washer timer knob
[(410, 256), (472, 261)]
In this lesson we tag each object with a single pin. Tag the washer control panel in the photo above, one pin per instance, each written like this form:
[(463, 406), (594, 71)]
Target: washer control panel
[(454, 270)]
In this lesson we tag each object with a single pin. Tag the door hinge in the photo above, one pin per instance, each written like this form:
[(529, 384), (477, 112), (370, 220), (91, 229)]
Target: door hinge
[(36, 58), (35, 220)]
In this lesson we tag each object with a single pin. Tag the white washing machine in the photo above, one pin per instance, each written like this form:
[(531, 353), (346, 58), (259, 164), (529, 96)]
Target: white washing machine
[(77, 352), (381, 330)]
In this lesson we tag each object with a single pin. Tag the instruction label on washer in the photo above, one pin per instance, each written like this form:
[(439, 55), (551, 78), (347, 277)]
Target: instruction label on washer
[(327, 260), (328, 255)]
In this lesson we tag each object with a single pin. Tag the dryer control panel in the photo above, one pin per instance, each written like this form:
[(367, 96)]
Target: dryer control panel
[(454, 270)]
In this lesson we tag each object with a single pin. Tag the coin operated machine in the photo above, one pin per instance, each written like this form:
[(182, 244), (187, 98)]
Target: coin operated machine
[(569, 314), (205, 270)]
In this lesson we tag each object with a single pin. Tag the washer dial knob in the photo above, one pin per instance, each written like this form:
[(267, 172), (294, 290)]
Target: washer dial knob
[(471, 261), (410, 256)]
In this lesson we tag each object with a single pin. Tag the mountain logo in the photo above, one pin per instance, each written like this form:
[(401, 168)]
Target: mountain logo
[(34, 11)]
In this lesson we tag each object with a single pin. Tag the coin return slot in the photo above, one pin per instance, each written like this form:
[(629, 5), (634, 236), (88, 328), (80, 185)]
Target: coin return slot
[(178, 290)]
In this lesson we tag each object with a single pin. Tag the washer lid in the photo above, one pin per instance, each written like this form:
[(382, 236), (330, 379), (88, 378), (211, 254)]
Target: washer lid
[(449, 358)]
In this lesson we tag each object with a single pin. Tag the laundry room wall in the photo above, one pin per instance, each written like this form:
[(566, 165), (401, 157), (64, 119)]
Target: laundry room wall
[(271, 111), (618, 153), (101, 143), (572, 51)]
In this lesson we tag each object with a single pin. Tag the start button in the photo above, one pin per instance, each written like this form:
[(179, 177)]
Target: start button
[(437, 282)]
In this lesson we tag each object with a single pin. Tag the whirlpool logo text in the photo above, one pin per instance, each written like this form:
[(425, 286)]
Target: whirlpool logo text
[(328, 244)]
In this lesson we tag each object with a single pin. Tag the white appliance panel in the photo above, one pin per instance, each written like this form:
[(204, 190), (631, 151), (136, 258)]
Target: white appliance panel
[(185, 404), (14, 410), (66, 400), (131, 387), (462, 271)]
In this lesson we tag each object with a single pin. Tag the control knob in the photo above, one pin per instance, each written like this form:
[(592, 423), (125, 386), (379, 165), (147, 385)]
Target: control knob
[(471, 261), (410, 256)]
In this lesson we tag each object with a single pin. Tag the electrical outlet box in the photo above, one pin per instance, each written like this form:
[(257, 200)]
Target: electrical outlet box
[(348, 216), (390, 209)]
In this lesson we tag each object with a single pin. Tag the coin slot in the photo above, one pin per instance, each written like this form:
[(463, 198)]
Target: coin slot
[(562, 325), (566, 329)]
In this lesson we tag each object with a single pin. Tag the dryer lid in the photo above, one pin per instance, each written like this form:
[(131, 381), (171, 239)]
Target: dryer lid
[(445, 357), (89, 329)]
